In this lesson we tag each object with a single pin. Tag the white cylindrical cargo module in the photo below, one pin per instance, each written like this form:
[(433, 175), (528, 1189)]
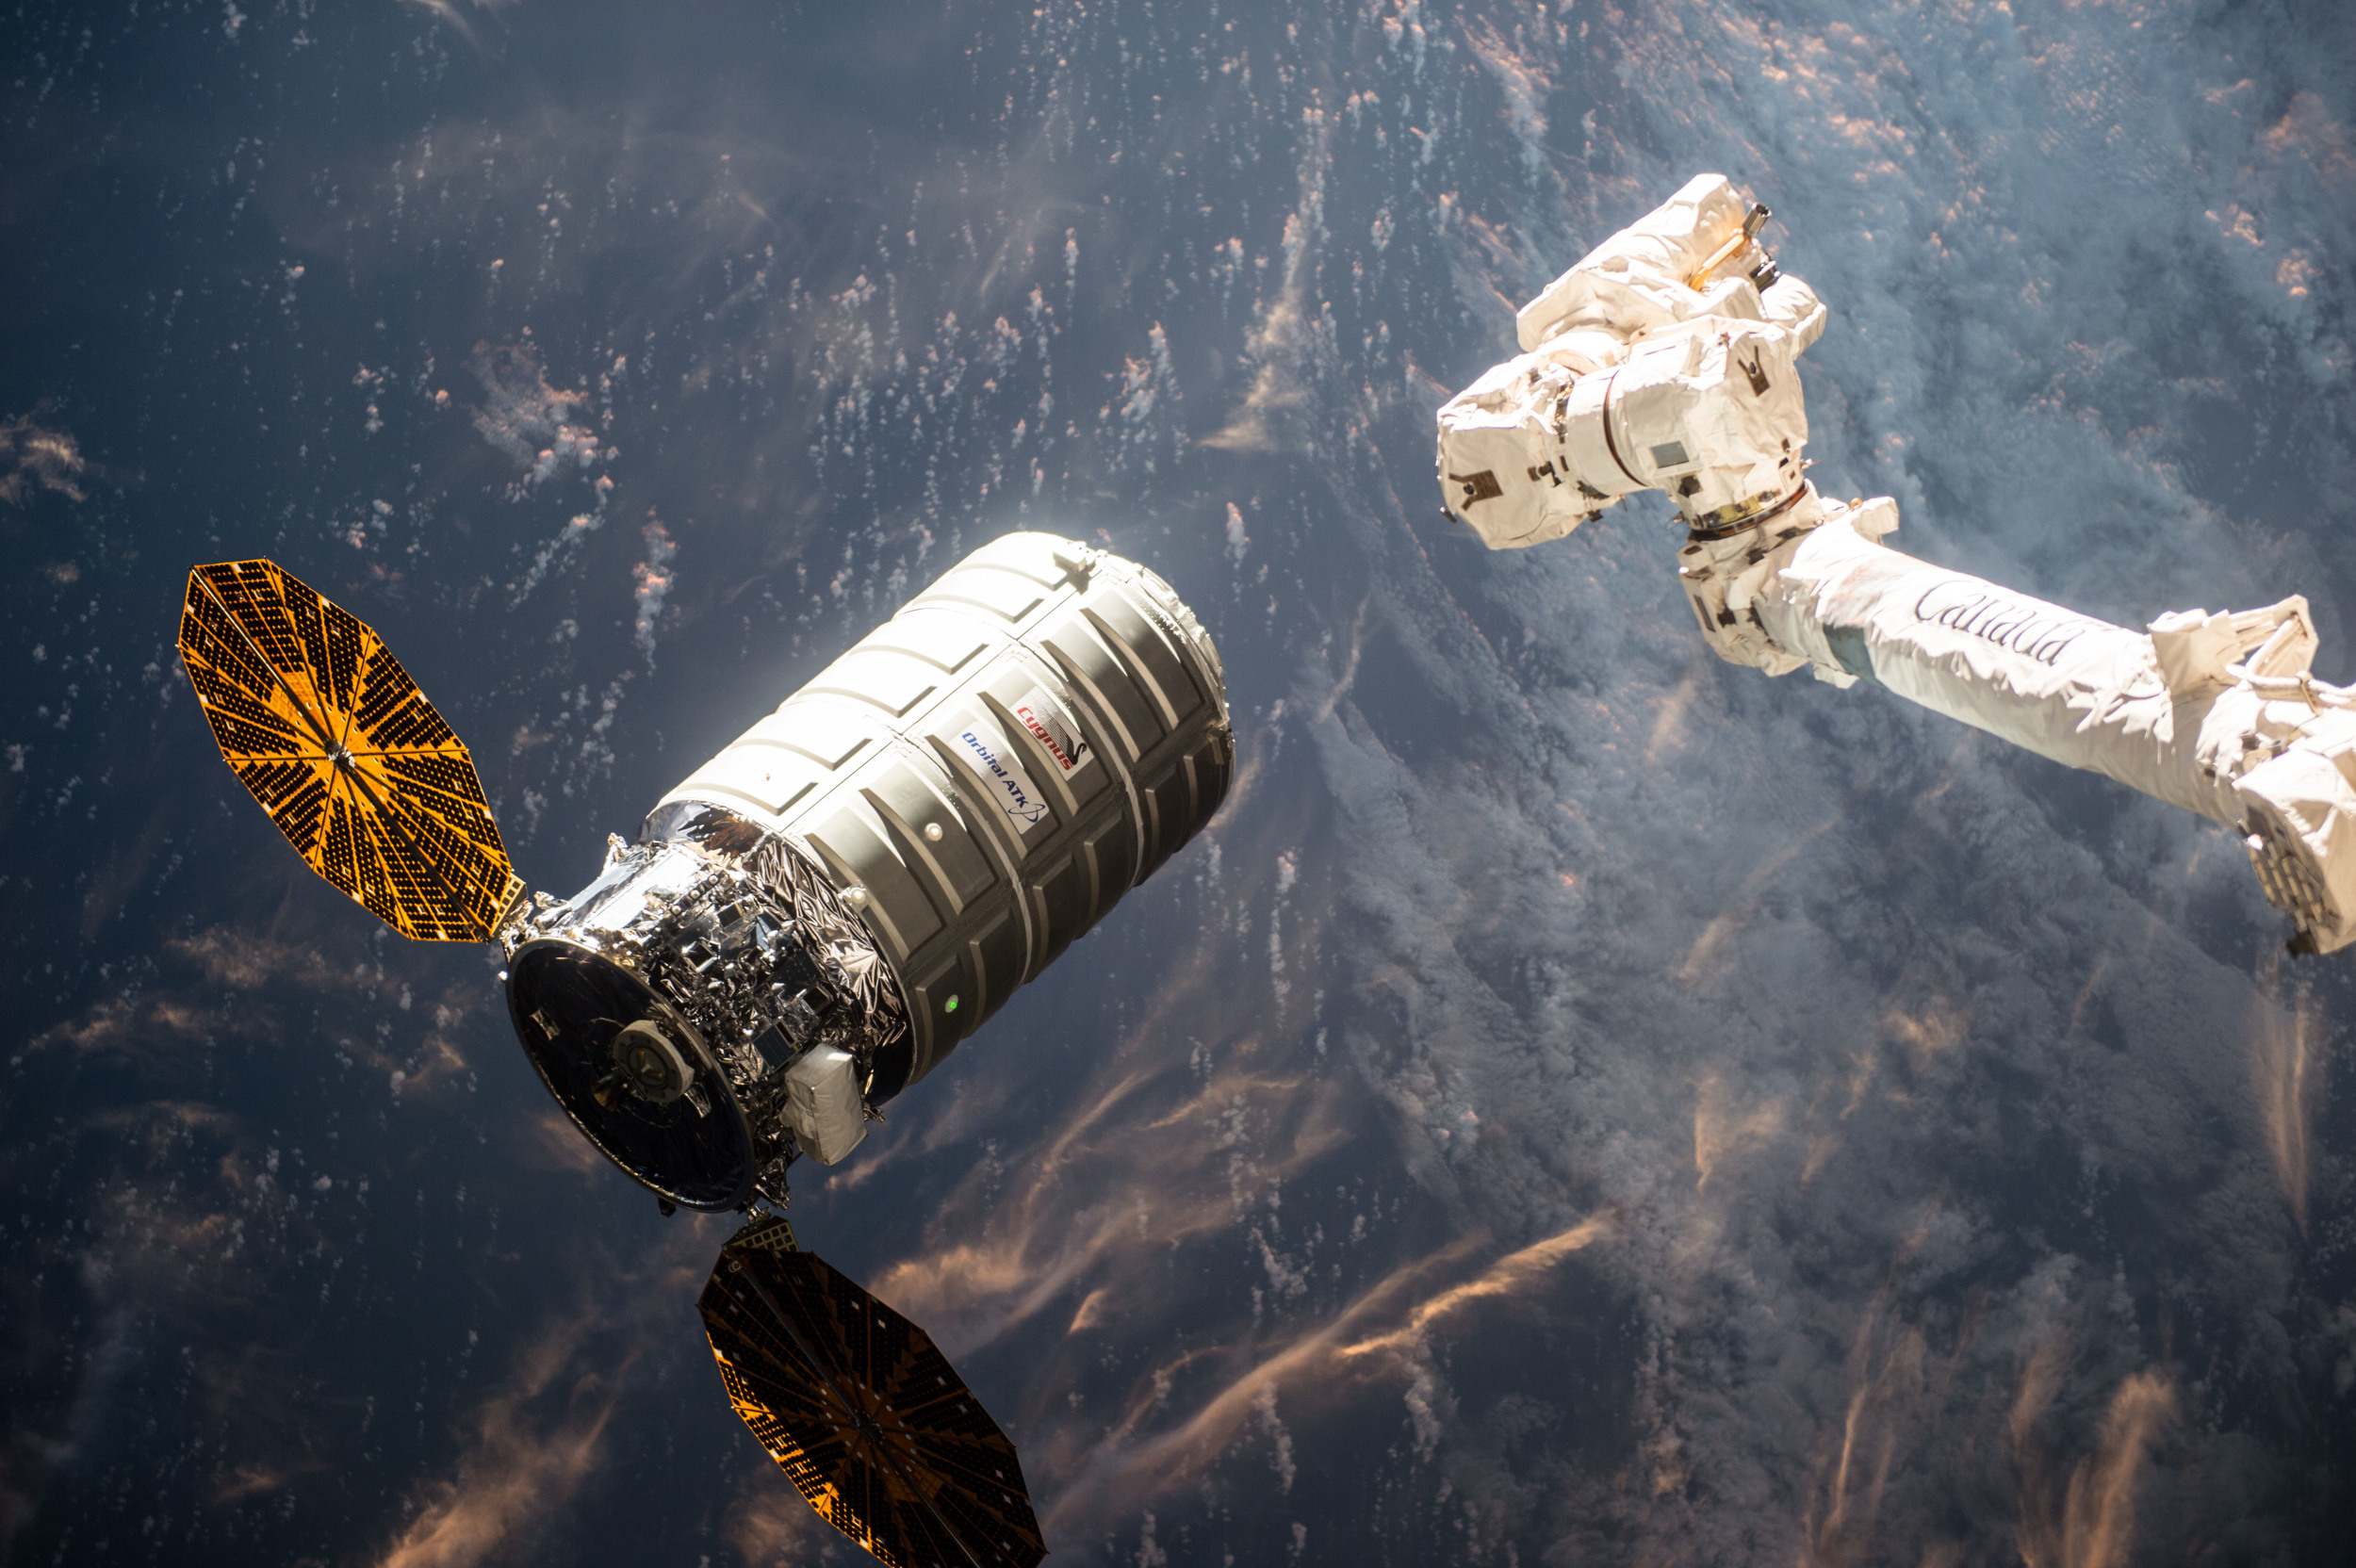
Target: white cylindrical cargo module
[(986, 773), (818, 915)]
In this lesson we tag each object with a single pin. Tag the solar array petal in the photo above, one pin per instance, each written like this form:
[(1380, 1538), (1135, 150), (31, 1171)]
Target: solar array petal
[(865, 1416), (322, 723)]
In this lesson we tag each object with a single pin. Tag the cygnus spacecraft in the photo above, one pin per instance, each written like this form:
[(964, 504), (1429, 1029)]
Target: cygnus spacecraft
[(805, 927)]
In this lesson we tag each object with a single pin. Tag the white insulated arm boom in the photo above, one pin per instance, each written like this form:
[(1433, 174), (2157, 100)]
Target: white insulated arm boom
[(1647, 367)]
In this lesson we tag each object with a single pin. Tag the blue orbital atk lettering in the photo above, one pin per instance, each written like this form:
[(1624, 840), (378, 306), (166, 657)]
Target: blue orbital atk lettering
[(1019, 802)]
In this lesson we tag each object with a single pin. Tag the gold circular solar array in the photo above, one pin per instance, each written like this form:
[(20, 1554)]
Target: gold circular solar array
[(862, 1414), (322, 723)]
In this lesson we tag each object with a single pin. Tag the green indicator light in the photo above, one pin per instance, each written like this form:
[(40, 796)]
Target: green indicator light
[(950, 1006)]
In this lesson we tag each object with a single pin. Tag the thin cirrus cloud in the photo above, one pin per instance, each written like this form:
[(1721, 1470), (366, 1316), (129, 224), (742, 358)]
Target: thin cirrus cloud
[(532, 1447), (1378, 1336), (35, 458), (1885, 1085)]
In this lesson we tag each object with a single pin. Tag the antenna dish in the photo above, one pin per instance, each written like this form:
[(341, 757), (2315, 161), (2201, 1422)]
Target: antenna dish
[(322, 723), (866, 1418)]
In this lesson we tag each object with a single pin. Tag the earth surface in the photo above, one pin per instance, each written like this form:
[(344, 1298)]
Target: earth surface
[(1580, 1103)]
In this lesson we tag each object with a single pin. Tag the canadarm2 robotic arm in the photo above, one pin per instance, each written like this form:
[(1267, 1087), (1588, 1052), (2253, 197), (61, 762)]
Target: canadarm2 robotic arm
[(1665, 360)]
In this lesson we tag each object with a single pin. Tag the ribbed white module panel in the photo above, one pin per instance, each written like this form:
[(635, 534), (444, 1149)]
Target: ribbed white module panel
[(986, 774)]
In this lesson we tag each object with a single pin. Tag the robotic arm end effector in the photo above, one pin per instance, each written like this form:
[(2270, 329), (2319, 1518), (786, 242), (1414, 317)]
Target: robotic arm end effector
[(1701, 243), (2302, 838), (2281, 746), (1665, 359)]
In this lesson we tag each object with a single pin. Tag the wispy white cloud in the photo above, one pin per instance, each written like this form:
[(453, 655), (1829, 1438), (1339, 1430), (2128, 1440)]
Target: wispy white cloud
[(34, 458), (533, 1445)]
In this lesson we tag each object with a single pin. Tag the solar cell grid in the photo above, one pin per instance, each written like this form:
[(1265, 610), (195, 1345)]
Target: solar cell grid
[(398, 822), (865, 1415)]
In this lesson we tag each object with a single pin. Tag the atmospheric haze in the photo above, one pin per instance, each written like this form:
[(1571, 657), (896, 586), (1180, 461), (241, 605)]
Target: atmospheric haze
[(1580, 1102)]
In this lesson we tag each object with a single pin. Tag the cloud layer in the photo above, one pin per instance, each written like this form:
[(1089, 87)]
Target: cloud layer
[(1579, 1104)]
